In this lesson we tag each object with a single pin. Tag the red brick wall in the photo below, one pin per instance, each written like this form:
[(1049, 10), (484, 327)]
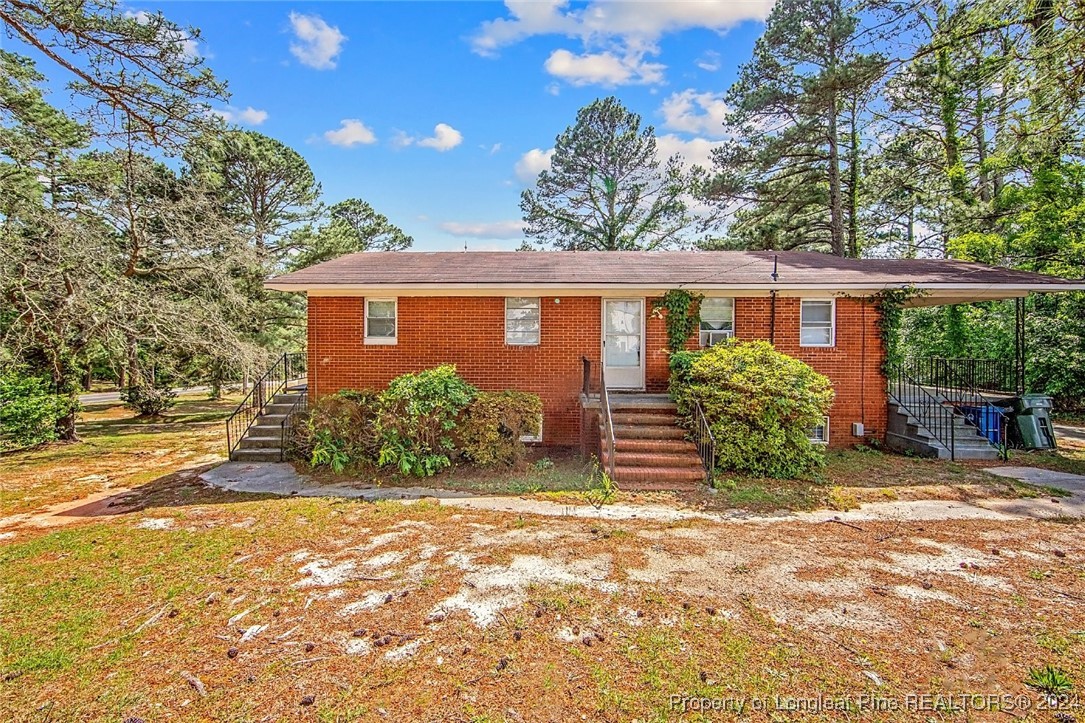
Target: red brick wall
[(470, 332)]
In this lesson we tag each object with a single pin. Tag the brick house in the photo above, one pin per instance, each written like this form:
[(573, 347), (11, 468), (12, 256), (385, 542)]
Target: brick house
[(528, 320)]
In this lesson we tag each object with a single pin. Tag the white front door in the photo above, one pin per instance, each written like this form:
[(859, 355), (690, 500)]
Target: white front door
[(623, 343)]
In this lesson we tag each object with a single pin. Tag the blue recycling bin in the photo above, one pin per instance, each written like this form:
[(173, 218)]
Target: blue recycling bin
[(987, 420)]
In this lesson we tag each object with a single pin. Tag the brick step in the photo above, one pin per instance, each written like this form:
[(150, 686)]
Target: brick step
[(255, 455), (627, 444), (643, 418), (638, 405), (655, 478), (655, 460), (646, 431)]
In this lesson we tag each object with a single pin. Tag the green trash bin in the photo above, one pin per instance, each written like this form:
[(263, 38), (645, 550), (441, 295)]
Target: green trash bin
[(1030, 422)]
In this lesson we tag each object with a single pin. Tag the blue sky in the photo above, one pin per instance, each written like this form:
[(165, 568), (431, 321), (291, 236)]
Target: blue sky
[(440, 113)]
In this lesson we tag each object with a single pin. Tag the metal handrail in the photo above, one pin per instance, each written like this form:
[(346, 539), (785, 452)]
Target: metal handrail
[(957, 385), (929, 411), (286, 427), (271, 382), (608, 421), (706, 444)]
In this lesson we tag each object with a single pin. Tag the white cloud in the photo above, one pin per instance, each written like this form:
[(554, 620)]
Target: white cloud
[(710, 61), (532, 163), (487, 230), (696, 113), (248, 116), (186, 44), (444, 138), (318, 44), (351, 132), (604, 68), (696, 151), (635, 23)]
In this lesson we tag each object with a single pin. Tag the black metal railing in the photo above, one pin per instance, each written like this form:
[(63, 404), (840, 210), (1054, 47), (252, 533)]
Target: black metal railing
[(967, 384), (706, 443), (287, 369), (977, 375), (928, 409), (290, 422)]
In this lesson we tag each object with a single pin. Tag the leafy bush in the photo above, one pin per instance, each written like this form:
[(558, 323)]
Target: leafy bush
[(759, 403), (29, 411), (489, 429), (340, 429), (149, 400), (417, 415)]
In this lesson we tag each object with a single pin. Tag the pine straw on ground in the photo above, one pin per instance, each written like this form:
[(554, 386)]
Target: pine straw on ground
[(358, 611)]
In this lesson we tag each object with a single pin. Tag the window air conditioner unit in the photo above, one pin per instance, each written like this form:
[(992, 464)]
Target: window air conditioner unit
[(715, 337)]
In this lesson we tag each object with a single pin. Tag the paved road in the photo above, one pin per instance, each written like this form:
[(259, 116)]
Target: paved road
[(107, 397), (1063, 431)]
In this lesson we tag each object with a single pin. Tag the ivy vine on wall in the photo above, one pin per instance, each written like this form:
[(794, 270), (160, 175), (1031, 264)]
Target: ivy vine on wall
[(682, 317), (890, 305)]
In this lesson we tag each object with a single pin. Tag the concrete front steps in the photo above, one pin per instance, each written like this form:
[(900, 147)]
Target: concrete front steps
[(651, 451), (905, 433), (263, 440)]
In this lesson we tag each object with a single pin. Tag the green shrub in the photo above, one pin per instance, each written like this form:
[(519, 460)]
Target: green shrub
[(488, 431), (340, 429), (417, 415), (759, 403), (29, 411), (149, 400)]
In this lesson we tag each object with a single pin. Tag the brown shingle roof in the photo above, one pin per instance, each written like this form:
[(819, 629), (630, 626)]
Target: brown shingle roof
[(656, 269)]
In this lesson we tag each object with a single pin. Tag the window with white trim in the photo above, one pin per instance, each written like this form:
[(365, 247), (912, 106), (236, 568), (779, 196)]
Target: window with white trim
[(717, 320), (522, 320), (818, 322), (380, 321), (819, 433)]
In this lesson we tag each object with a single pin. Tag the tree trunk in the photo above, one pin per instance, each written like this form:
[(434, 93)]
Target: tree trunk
[(836, 205), (134, 377), (948, 103), (853, 183), (65, 426)]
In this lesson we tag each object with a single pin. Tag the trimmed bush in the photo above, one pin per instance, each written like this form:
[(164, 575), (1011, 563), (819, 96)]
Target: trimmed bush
[(759, 403), (417, 415), (489, 429), (340, 429), (29, 411)]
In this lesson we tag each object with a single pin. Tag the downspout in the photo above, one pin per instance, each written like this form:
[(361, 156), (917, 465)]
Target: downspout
[(862, 375), (772, 317)]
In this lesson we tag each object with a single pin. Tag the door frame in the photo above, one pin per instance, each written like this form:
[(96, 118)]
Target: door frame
[(643, 338)]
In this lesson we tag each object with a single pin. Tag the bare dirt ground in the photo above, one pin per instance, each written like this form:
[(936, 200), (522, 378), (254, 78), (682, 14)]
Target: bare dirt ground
[(288, 608)]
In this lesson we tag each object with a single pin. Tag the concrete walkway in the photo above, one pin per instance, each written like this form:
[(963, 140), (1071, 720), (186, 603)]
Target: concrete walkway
[(282, 479)]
